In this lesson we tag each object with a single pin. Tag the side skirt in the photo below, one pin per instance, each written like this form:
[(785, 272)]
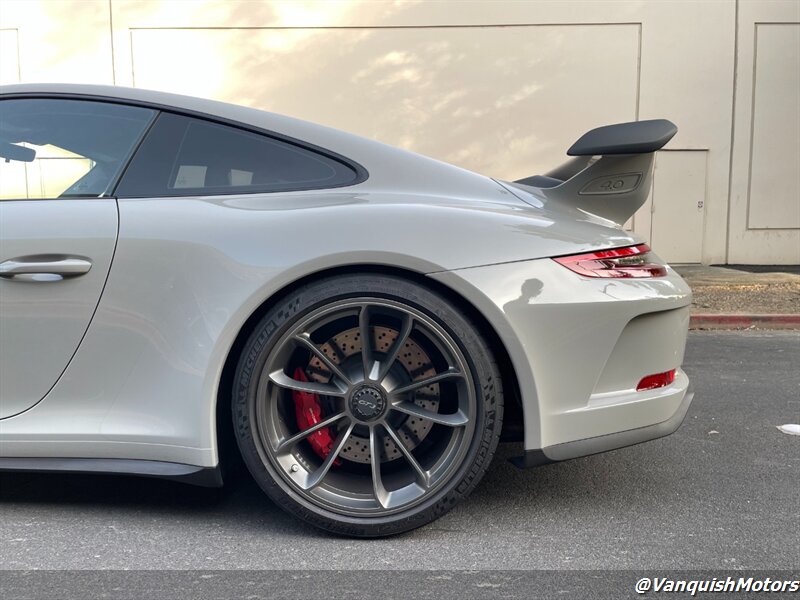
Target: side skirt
[(191, 474)]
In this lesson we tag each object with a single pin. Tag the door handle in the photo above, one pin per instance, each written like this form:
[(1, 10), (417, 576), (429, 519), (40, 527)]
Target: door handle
[(44, 268)]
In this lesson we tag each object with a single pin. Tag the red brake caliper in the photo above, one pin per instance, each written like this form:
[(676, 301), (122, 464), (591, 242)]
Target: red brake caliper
[(309, 413)]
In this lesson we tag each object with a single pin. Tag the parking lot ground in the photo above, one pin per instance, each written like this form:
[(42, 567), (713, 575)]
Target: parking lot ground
[(720, 494)]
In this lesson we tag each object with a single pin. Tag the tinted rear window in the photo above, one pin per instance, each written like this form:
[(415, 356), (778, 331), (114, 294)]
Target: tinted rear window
[(185, 156)]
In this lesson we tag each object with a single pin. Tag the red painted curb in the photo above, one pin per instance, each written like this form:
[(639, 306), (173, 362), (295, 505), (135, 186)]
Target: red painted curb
[(738, 321)]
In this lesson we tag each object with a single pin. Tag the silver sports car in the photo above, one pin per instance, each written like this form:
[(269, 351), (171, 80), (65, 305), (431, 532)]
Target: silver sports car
[(182, 281)]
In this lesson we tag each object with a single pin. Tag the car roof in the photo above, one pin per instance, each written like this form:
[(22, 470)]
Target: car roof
[(386, 165), (210, 108)]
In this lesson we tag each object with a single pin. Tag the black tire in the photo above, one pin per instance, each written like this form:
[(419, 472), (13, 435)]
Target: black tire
[(475, 393)]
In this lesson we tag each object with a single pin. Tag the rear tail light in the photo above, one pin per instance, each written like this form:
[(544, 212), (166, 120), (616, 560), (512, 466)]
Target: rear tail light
[(657, 380), (633, 261)]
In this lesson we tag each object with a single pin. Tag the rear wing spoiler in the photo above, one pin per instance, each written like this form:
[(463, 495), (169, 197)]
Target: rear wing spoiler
[(615, 185)]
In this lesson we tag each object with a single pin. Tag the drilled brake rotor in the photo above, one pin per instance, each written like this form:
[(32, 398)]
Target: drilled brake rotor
[(417, 364)]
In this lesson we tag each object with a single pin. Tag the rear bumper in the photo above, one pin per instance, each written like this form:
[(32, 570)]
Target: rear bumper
[(579, 346), (604, 443)]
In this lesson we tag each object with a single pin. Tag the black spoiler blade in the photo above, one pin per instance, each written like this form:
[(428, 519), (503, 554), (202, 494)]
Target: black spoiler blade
[(638, 137)]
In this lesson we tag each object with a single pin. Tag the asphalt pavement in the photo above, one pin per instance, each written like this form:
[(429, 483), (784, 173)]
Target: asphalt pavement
[(721, 493)]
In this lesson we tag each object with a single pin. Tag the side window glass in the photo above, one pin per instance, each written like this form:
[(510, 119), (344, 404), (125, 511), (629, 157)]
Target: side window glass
[(53, 148), (184, 156)]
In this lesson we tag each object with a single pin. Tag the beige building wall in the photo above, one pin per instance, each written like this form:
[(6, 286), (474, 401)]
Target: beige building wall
[(499, 87)]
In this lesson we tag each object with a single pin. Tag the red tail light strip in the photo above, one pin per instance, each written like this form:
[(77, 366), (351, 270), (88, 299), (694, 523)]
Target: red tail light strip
[(629, 262)]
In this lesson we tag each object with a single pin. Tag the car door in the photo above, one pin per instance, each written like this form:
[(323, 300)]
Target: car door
[(58, 228)]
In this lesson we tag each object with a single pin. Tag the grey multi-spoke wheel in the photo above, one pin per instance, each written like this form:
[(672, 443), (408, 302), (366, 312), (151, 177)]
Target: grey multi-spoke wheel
[(367, 404)]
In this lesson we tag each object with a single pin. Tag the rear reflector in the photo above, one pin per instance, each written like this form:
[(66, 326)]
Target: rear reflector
[(658, 380), (633, 261)]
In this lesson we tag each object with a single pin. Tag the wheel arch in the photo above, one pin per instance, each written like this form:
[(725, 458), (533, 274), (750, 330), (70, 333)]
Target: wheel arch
[(513, 428)]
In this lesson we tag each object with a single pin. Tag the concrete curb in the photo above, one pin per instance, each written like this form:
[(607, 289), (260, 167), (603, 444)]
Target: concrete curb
[(743, 321)]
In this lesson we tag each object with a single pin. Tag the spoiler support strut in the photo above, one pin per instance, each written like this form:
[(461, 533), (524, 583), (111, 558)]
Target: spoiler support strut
[(615, 185)]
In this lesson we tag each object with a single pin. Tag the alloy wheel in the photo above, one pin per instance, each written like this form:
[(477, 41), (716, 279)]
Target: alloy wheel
[(366, 406)]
